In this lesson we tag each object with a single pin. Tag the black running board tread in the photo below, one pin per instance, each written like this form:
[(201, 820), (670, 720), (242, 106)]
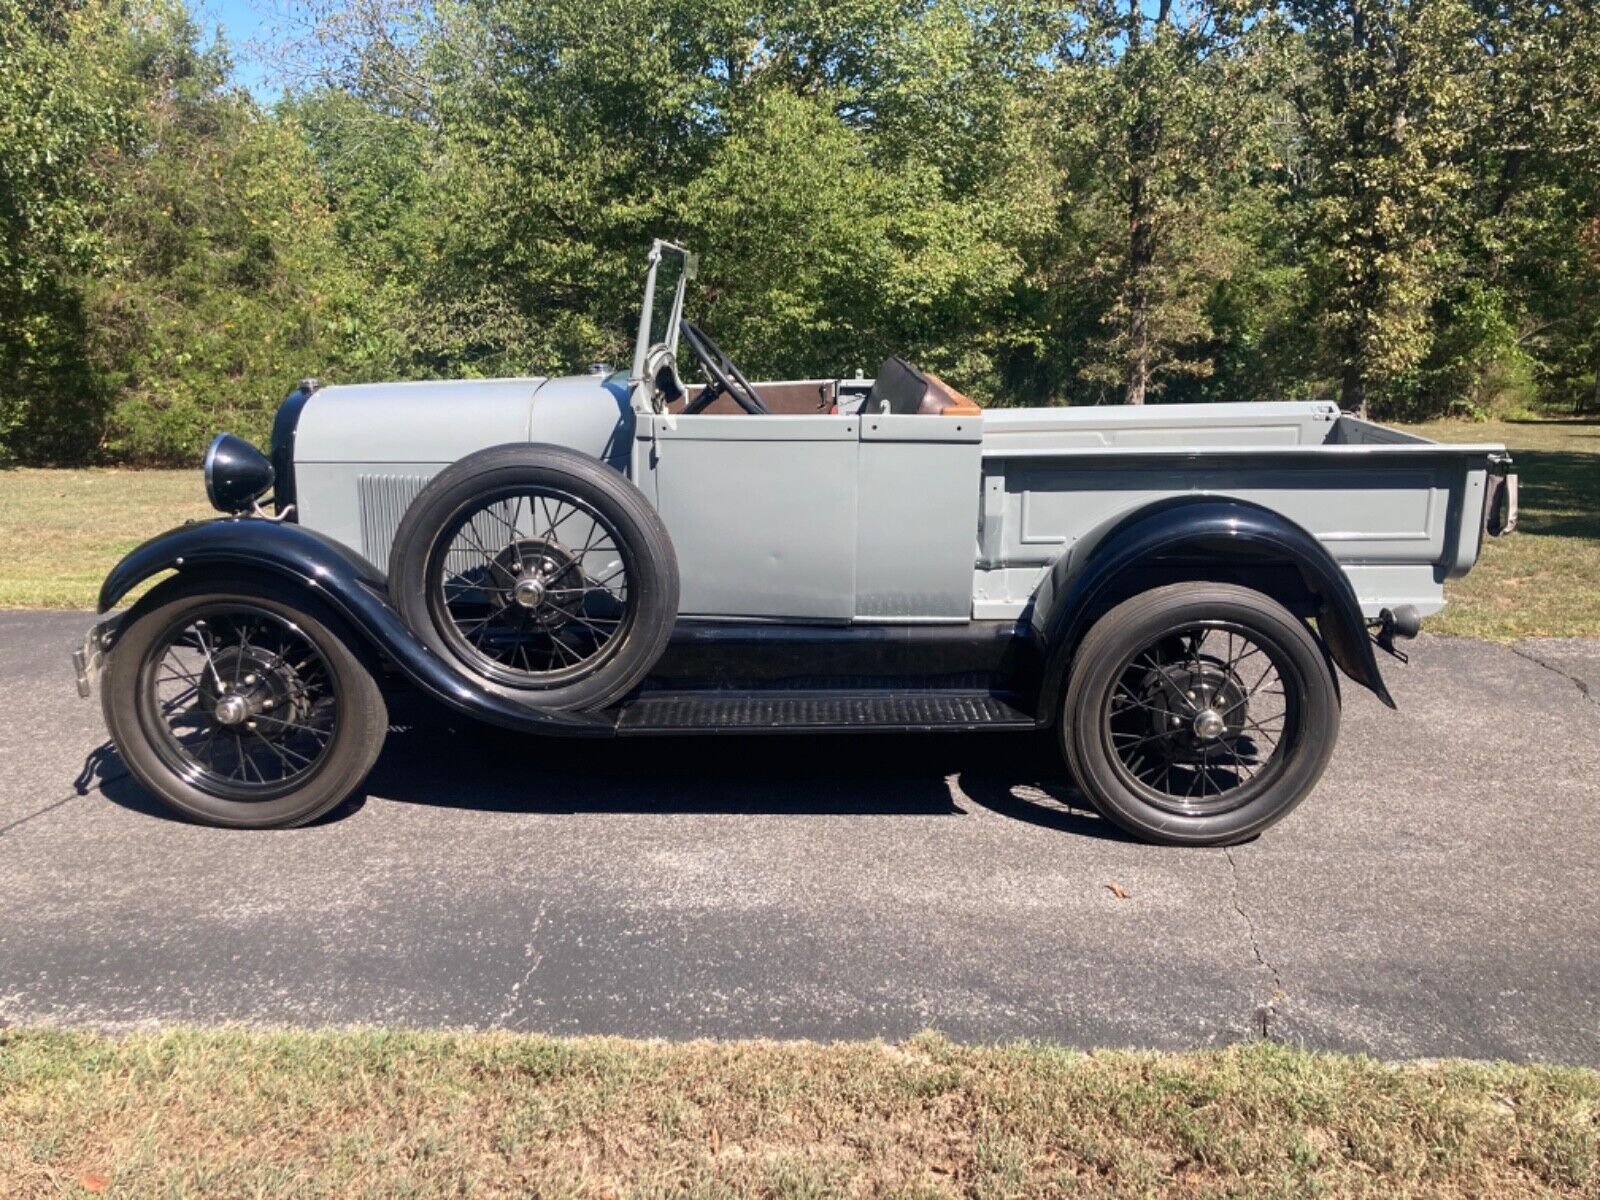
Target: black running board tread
[(812, 712)]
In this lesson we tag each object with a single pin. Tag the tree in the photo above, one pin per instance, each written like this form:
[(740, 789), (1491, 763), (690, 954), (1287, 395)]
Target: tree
[(57, 117), (1535, 241), (1387, 103)]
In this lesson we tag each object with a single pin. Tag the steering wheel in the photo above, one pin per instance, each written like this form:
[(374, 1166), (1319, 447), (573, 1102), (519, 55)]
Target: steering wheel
[(721, 375)]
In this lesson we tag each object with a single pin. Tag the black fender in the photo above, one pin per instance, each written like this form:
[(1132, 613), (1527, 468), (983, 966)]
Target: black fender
[(348, 583), (1208, 529)]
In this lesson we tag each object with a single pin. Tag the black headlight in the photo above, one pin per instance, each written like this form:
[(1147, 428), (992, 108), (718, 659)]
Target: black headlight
[(237, 474)]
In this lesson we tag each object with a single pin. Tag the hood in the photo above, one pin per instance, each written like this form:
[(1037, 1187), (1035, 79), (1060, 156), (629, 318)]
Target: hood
[(439, 421)]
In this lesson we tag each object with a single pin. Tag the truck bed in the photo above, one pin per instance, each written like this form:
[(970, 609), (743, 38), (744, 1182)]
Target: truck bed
[(1400, 513)]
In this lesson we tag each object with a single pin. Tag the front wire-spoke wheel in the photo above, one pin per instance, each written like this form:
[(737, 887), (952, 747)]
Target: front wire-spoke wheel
[(240, 701), (1199, 713), (240, 704)]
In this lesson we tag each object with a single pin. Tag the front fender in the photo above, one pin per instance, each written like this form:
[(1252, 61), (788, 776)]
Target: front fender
[(1211, 529), (348, 583)]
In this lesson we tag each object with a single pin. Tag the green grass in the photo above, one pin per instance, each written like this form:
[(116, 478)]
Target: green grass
[(61, 531), (1543, 580), (368, 1113)]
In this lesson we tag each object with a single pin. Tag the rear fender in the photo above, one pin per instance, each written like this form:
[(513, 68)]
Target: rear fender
[(347, 582), (1208, 530)]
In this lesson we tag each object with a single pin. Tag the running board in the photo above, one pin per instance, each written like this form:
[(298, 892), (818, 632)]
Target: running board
[(817, 712)]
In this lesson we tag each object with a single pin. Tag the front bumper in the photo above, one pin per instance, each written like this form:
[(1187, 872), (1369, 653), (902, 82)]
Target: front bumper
[(89, 658)]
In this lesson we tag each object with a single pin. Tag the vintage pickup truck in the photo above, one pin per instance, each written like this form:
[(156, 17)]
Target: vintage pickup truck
[(1173, 590)]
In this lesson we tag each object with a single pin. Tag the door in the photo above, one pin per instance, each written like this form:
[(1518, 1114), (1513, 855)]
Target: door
[(919, 476), (761, 509)]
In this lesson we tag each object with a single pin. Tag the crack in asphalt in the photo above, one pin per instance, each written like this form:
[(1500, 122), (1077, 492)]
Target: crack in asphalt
[(1264, 1012), (1582, 685), (514, 995)]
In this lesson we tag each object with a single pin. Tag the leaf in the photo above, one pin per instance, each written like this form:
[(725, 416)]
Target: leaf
[(716, 1140), (1117, 890), (93, 1181)]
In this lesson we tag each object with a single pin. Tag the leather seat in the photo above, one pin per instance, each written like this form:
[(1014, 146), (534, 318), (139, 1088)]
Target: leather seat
[(902, 388)]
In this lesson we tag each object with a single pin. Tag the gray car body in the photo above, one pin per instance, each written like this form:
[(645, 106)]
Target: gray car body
[(855, 517)]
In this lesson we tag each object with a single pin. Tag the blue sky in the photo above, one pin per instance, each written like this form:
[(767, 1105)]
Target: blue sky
[(241, 21)]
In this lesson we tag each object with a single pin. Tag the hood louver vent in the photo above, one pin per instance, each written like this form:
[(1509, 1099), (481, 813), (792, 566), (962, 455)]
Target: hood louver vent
[(384, 500)]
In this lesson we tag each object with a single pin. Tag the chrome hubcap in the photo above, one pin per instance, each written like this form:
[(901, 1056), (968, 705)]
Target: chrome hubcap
[(1209, 725), (231, 710), (529, 592)]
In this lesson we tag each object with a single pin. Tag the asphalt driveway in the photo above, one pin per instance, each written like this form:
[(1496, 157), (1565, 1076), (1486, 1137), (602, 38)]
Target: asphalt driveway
[(1435, 896)]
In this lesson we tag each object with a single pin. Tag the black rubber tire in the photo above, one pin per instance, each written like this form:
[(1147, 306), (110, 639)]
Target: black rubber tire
[(652, 565), (358, 738), (1139, 621)]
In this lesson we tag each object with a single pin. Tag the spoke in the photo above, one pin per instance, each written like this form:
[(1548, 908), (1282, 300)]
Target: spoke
[(1205, 770), (471, 534), (562, 520), (284, 753), (1235, 664), (1150, 738), (565, 653), (276, 750), (244, 643), (1238, 763), (621, 569), (1266, 732), (604, 634), (586, 590), (1138, 703), (186, 694), (170, 659), (287, 724), (205, 647), (1245, 699)]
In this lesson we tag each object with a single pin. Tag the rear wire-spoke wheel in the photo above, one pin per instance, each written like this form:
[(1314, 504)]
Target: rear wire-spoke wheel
[(543, 574), (241, 702), (1199, 713), (531, 587), (1199, 719)]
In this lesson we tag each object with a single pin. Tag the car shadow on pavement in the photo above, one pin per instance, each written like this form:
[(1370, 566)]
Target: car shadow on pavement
[(434, 759)]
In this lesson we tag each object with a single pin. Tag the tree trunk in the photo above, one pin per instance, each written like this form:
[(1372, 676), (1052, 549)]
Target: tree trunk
[(1353, 390), (1594, 399), (1144, 137), (1141, 256)]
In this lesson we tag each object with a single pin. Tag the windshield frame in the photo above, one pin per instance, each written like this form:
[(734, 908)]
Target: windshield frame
[(644, 349)]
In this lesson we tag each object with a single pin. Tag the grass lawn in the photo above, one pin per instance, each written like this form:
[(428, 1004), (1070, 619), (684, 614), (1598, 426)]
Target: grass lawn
[(1543, 580), (61, 531), (368, 1113)]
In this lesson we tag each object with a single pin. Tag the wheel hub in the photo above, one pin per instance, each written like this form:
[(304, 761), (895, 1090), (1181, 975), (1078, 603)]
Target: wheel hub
[(248, 683), (1209, 725), (1199, 702), (541, 576), (530, 591), (231, 710)]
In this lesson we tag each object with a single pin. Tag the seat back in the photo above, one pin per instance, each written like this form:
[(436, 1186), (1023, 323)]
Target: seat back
[(904, 389)]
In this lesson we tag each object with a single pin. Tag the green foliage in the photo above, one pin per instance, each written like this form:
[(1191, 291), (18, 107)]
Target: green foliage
[(1396, 202), (59, 113)]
